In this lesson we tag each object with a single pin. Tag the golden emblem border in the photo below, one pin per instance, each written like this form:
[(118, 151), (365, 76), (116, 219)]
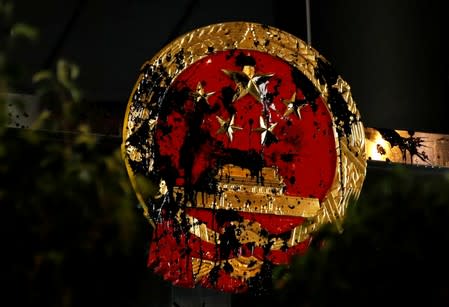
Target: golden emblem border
[(351, 156)]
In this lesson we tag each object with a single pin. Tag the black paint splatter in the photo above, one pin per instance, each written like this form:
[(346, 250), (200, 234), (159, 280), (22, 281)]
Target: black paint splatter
[(244, 60), (408, 144), (325, 72), (250, 159), (262, 283), (229, 242), (343, 117), (226, 216), (227, 95), (307, 87)]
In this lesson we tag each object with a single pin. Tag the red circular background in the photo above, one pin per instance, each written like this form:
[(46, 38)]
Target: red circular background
[(305, 153)]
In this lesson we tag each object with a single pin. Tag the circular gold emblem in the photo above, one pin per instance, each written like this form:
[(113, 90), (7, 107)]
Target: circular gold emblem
[(240, 140)]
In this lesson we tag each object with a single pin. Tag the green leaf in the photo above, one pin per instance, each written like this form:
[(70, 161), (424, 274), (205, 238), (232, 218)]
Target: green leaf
[(74, 71), (24, 30), (39, 122), (62, 67), (42, 76), (85, 137)]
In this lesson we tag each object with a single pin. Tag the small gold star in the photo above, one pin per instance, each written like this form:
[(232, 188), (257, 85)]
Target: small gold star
[(227, 126), (248, 82), (200, 94), (265, 131), (293, 105)]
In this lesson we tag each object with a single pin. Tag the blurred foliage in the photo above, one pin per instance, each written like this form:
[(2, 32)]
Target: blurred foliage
[(393, 248), (71, 231)]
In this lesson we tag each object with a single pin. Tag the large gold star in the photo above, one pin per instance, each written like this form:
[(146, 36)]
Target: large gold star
[(294, 106), (227, 126), (200, 94), (248, 82), (266, 132)]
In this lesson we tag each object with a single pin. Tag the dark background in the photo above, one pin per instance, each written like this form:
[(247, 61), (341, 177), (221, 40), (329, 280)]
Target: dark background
[(394, 54)]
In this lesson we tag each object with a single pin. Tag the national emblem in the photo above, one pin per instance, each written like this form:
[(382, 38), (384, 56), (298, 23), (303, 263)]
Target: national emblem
[(251, 141)]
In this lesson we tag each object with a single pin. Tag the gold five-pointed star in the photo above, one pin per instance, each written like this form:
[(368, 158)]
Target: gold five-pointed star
[(248, 82), (227, 126), (200, 94), (294, 106), (265, 130)]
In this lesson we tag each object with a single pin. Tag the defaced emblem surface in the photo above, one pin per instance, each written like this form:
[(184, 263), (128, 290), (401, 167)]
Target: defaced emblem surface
[(240, 140)]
